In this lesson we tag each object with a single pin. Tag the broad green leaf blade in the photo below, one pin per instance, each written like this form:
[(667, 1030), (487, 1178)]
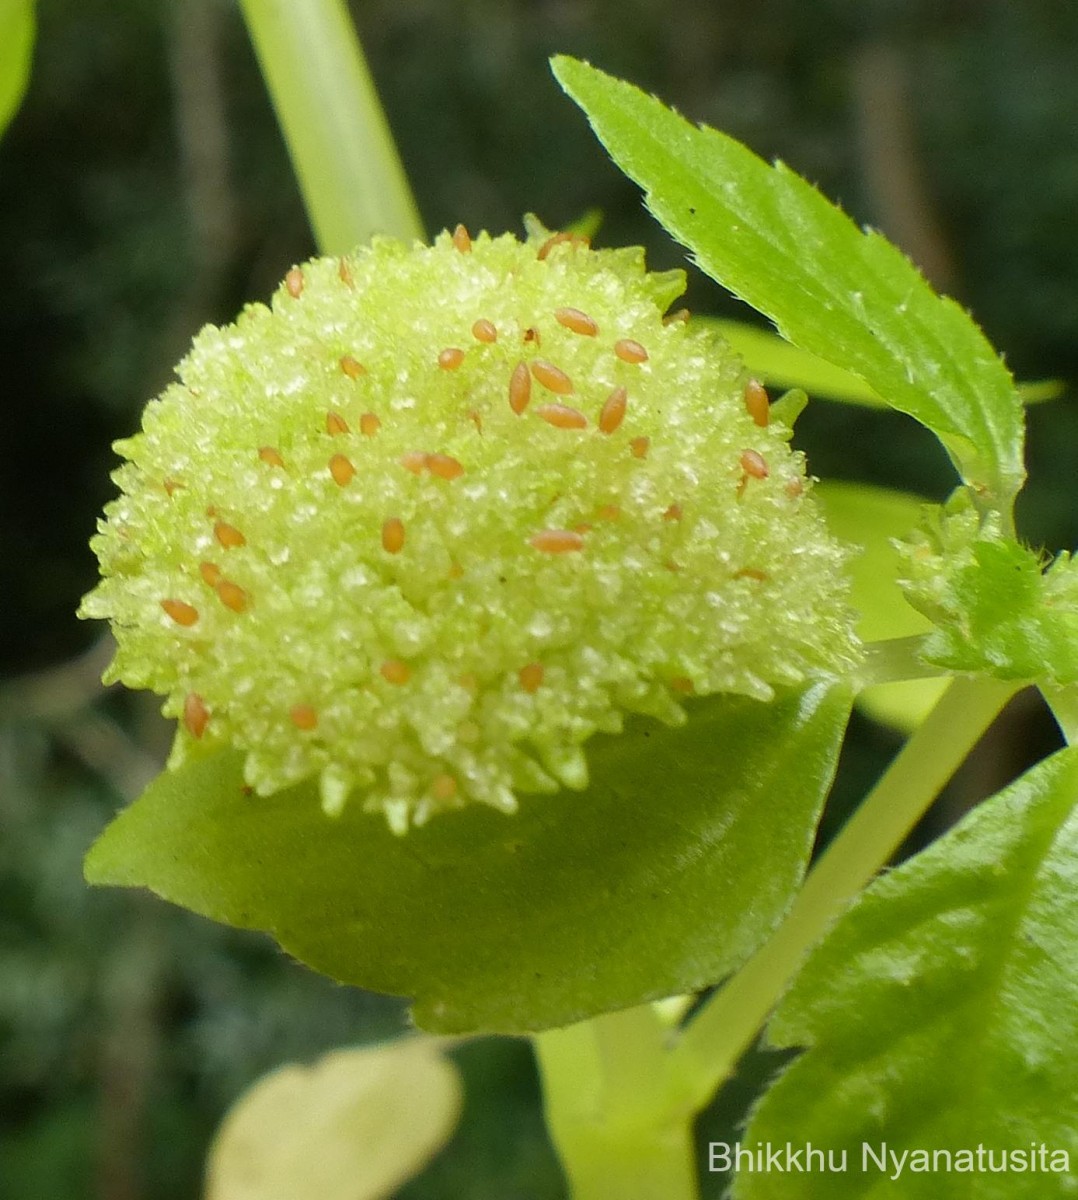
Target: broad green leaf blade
[(665, 874), (996, 608), (941, 1013), (872, 518), (846, 295), (775, 362), (353, 1126), (16, 48)]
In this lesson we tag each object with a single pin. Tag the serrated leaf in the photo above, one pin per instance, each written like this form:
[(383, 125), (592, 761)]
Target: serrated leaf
[(16, 46), (996, 609), (353, 1126), (942, 1011), (849, 296), (661, 877)]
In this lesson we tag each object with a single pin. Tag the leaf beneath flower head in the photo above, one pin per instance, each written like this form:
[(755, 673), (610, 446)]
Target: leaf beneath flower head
[(661, 877)]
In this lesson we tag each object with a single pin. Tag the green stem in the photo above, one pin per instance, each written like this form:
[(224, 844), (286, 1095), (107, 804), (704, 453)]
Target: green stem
[(893, 660), (621, 1129), (727, 1025), (343, 153)]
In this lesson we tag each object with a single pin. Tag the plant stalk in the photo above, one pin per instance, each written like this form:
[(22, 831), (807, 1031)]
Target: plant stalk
[(349, 172), (726, 1026), (621, 1130)]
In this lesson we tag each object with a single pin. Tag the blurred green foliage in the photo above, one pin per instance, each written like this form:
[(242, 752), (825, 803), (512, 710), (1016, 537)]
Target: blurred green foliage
[(144, 190)]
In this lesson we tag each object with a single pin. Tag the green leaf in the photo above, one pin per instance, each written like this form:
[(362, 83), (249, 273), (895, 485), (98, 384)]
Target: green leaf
[(16, 48), (773, 361), (941, 1013), (353, 1126), (996, 608), (871, 518), (663, 876), (846, 295)]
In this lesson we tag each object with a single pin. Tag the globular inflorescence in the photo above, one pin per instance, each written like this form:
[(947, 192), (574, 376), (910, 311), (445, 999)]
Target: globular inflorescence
[(440, 513)]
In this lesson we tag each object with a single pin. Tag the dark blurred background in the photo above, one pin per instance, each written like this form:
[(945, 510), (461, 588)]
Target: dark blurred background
[(144, 190)]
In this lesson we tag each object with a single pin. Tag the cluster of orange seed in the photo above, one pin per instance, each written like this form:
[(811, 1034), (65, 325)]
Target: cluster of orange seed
[(498, 374), (393, 535)]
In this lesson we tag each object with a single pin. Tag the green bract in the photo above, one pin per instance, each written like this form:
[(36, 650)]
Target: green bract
[(441, 513)]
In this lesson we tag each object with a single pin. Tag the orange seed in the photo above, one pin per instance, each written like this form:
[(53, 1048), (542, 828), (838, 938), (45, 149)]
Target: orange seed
[(393, 535), (576, 321), (552, 377), (561, 416), (677, 318), (270, 456), (303, 716), (520, 388), (613, 411), (753, 463), (639, 447), (352, 367), (341, 469), (462, 239), (228, 535), (673, 513), (756, 402), (414, 461), (181, 612), (484, 331), (344, 272), (210, 572), (450, 358), (335, 424), (608, 512), (629, 351), (531, 677), (293, 281), (396, 672), (232, 596), (557, 541), (444, 466), (196, 716), (369, 424)]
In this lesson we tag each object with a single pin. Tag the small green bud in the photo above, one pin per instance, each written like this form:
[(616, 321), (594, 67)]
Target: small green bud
[(441, 513)]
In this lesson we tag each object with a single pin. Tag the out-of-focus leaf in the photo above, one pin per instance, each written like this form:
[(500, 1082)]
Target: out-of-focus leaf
[(871, 518), (16, 49), (846, 295), (354, 1126), (661, 877), (777, 363), (941, 1013)]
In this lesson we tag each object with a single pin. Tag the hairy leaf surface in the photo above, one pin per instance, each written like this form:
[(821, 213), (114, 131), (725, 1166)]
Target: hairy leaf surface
[(942, 1012), (661, 877)]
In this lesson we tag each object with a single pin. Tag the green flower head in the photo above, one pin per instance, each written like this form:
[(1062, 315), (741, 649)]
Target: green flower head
[(440, 513)]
